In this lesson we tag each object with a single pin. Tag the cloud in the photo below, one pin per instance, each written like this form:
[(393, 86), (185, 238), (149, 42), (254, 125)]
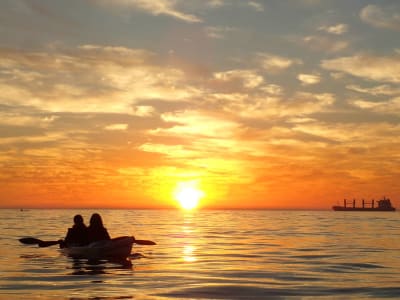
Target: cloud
[(272, 89), (337, 29), (391, 106), (22, 119), (158, 7), (215, 3), (218, 32), (89, 79), (199, 124), (275, 63), (322, 43), (202, 136), (246, 78), (309, 79), (377, 68), (210, 140), (143, 110), (274, 107), (311, 2), (350, 135), (116, 127), (383, 89), (176, 151), (387, 18), (256, 5)]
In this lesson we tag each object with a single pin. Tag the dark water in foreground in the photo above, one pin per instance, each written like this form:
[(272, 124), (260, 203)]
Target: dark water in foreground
[(210, 255)]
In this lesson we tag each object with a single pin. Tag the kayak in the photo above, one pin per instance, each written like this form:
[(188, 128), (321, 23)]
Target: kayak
[(120, 248)]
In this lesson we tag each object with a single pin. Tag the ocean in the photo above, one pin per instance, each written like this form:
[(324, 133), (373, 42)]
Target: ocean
[(209, 254)]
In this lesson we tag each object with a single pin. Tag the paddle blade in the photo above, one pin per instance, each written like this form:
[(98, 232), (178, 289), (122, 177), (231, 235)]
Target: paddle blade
[(144, 242), (30, 241)]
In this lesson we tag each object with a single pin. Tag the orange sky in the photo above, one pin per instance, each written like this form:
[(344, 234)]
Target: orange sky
[(117, 105)]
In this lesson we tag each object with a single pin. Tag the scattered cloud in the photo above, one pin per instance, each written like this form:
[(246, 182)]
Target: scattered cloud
[(158, 7), (383, 89), (195, 123), (247, 78), (337, 75), (276, 108), (143, 110), (322, 43), (381, 17), (391, 106), (270, 62), (310, 2), (309, 79), (21, 119), (335, 29), (256, 5), (111, 79), (377, 68), (116, 127), (218, 32), (216, 3), (272, 89)]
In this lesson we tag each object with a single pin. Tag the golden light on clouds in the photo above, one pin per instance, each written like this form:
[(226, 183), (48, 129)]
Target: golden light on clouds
[(262, 114)]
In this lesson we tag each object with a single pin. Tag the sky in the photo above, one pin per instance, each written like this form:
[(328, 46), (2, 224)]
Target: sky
[(257, 104)]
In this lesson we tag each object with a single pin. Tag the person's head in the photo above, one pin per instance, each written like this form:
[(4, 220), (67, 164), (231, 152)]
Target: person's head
[(95, 220), (78, 220)]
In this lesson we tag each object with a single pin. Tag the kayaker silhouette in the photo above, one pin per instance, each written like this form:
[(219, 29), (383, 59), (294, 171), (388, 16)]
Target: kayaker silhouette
[(77, 235), (96, 230)]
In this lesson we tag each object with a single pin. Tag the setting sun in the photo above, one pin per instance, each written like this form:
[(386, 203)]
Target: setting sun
[(188, 195)]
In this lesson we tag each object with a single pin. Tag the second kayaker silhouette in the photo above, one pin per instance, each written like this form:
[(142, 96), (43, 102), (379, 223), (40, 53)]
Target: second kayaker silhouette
[(96, 229)]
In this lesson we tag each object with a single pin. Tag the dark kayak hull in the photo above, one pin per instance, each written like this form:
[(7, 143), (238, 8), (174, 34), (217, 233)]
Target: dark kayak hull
[(119, 248)]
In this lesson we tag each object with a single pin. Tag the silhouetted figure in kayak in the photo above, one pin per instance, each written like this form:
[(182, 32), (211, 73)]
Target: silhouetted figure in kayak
[(96, 230), (77, 235)]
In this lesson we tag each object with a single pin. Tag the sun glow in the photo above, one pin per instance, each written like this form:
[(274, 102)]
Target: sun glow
[(188, 194)]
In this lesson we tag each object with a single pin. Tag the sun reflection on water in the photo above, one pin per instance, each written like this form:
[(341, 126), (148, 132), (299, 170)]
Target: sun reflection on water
[(189, 253)]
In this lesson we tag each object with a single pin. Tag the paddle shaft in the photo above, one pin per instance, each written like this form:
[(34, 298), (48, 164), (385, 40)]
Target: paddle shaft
[(144, 242)]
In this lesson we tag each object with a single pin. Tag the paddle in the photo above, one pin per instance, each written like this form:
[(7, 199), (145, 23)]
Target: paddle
[(135, 241), (40, 243), (144, 242)]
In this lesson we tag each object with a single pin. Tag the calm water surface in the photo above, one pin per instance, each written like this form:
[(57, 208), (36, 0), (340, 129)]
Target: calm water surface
[(209, 255)]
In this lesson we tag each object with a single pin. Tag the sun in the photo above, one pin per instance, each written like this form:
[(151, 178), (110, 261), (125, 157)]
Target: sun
[(188, 195)]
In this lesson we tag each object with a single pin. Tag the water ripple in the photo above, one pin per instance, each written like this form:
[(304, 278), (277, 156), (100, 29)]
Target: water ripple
[(209, 255)]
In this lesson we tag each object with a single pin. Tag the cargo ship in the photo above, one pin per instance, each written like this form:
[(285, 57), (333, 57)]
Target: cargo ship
[(383, 205)]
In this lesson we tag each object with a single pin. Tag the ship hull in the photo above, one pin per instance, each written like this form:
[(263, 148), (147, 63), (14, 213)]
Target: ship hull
[(342, 208)]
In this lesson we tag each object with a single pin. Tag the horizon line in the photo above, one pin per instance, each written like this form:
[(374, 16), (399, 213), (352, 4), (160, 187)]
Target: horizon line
[(170, 208)]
